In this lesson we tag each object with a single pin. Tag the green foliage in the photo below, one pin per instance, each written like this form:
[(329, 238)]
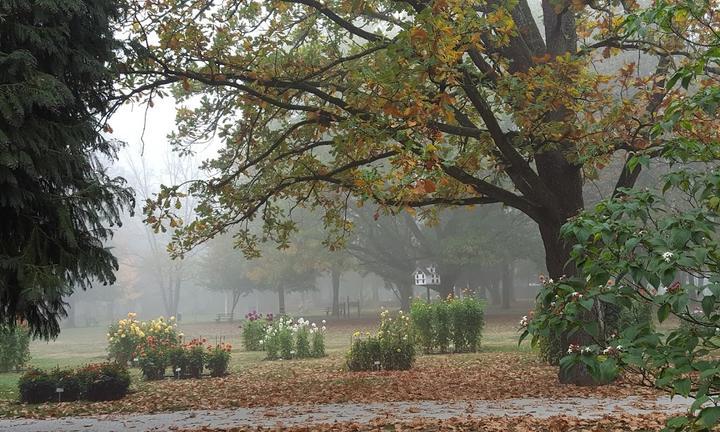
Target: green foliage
[(253, 331), (36, 386), (14, 347), (288, 339), (365, 354), (153, 357), (94, 382), (392, 348), (631, 251), (456, 322), (57, 197), (187, 360), (467, 320), (421, 313), (218, 359), (129, 335), (318, 343), (104, 381)]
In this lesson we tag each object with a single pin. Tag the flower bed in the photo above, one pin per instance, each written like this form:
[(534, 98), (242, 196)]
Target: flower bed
[(288, 339), (254, 329), (128, 335), (391, 348)]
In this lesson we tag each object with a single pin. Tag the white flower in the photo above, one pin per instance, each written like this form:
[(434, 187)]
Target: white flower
[(323, 321), (324, 328), (667, 256)]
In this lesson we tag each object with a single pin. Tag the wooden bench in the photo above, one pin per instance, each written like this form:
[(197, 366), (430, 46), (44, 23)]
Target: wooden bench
[(224, 317)]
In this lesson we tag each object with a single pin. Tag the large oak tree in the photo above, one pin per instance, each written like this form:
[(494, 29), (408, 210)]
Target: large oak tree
[(410, 103)]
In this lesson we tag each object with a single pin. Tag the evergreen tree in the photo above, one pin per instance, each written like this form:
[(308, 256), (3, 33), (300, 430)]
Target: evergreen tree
[(57, 200)]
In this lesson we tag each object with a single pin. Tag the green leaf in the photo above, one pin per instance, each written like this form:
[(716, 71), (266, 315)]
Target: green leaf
[(682, 387), (663, 312), (708, 304), (709, 416), (678, 422)]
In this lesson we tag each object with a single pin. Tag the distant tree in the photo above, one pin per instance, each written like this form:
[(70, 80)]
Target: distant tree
[(472, 247), (57, 200), (170, 274), (223, 268), (284, 270)]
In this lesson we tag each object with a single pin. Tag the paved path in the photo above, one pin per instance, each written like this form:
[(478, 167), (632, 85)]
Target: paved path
[(362, 413)]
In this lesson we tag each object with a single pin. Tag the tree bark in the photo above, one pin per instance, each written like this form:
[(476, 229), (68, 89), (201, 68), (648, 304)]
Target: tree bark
[(281, 299), (508, 281), (335, 276), (405, 296)]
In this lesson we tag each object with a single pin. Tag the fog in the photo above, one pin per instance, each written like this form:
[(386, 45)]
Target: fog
[(473, 249)]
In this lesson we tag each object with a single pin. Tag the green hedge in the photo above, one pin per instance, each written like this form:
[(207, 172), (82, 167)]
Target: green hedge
[(453, 325)]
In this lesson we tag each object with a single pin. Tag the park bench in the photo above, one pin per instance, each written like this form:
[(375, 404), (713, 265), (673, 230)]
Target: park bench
[(224, 317)]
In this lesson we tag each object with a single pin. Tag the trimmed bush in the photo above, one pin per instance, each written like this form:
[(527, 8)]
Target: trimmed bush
[(452, 325), (105, 381), (94, 382), (71, 383), (36, 386), (14, 347), (392, 348)]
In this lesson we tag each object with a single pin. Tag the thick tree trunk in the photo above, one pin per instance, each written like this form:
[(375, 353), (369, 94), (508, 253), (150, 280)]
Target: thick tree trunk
[(493, 288), (508, 281), (281, 299), (335, 276), (405, 293), (565, 180)]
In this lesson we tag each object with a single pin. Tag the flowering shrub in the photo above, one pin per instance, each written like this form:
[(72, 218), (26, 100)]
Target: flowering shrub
[(317, 336), (94, 382), (254, 329), (456, 322), (127, 335), (218, 359), (188, 360), (392, 348), (14, 347), (153, 358), (288, 339), (633, 251)]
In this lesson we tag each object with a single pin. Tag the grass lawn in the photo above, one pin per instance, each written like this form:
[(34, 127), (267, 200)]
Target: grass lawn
[(79, 346)]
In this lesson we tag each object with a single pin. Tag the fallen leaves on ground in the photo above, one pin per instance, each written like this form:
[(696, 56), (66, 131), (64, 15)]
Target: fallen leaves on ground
[(615, 423), (488, 376)]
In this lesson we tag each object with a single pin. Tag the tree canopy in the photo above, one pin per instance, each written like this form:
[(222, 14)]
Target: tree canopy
[(410, 103), (57, 198), (415, 103)]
